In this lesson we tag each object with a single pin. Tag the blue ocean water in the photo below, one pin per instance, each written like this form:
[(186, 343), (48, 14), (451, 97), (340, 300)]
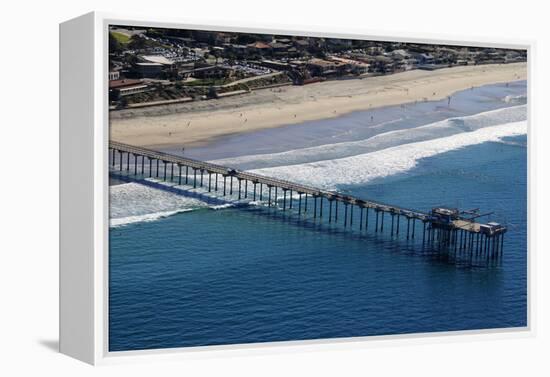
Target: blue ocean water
[(247, 274)]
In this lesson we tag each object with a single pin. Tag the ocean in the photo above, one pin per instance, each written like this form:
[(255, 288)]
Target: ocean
[(189, 269)]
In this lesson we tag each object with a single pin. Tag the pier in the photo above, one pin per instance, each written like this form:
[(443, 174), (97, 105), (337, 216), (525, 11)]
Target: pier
[(441, 229)]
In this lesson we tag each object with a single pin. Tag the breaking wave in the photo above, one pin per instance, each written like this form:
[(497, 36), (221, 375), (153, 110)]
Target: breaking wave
[(331, 165), (133, 202), (432, 131), (364, 168), (520, 99)]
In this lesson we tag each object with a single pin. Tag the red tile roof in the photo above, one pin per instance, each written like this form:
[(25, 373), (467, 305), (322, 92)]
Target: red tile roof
[(116, 84), (259, 45)]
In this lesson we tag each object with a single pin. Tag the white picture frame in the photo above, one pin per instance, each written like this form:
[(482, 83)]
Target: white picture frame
[(84, 210)]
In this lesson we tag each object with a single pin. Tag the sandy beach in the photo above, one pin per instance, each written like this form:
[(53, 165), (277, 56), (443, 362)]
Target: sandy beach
[(196, 123)]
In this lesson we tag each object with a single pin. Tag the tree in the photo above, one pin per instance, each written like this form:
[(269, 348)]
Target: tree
[(156, 33), (245, 39), (216, 54), (130, 59), (320, 54), (114, 45), (137, 42), (212, 92), (122, 102)]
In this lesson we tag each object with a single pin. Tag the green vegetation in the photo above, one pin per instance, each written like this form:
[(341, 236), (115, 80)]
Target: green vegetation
[(120, 38), (160, 93), (208, 82)]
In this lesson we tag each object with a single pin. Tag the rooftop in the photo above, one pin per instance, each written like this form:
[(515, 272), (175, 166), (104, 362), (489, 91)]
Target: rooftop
[(261, 45), (157, 59), (117, 84)]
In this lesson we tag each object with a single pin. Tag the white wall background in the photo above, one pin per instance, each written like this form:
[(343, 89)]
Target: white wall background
[(29, 186)]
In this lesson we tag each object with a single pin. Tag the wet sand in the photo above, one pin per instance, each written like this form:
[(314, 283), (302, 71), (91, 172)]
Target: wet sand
[(197, 123)]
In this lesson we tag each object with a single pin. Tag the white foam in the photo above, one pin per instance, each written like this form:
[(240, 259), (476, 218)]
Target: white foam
[(328, 166), (116, 222), (222, 206), (134, 202), (381, 141), (366, 167), (522, 98)]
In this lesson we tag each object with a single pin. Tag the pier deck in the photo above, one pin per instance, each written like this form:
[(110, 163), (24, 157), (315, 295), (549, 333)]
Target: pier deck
[(447, 225)]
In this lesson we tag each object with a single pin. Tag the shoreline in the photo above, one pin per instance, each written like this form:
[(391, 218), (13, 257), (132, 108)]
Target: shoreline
[(198, 123)]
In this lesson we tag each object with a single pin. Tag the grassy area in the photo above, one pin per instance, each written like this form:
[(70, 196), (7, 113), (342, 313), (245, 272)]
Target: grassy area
[(121, 38), (206, 82)]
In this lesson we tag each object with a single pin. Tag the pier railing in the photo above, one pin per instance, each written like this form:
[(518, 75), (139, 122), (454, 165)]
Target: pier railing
[(444, 226)]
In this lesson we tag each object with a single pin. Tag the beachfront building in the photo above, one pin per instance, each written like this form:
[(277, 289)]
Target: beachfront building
[(279, 49), (338, 43), (276, 65), (355, 67), (381, 64), (235, 51), (114, 75), (424, 58), (327, 68), (149, 70), (302, 44), (125, 87), (259, 48), (400, 54)]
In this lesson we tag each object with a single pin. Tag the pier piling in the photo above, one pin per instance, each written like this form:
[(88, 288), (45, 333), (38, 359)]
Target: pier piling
[(315, 207), (345, 215), (239, 189), (442, 228)]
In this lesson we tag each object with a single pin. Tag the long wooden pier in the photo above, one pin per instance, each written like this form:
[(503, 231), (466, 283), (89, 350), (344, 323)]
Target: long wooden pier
[(442, 227)]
